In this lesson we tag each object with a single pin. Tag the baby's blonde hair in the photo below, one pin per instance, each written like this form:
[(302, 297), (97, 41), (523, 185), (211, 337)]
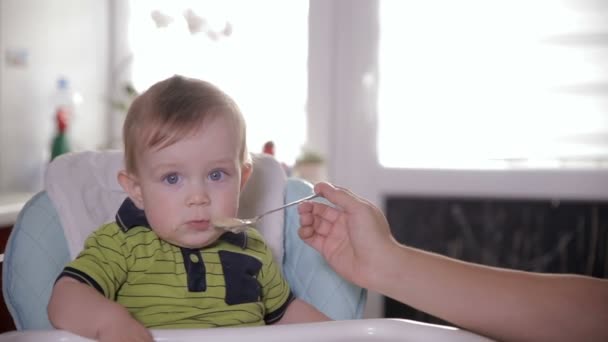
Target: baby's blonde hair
[(171, 110)]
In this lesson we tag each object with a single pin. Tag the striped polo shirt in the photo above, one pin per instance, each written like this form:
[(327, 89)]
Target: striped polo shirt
[(235, 281)]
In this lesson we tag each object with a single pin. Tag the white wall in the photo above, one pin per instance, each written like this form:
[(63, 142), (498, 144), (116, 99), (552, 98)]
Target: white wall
[(61, 37)]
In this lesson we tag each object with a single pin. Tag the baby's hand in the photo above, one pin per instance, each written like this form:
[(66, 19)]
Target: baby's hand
[(125, 329)]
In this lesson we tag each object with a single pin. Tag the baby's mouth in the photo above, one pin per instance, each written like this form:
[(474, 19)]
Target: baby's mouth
[(198, 224)]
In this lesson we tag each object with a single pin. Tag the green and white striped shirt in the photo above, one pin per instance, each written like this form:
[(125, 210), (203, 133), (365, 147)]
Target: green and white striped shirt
[(233, 282)]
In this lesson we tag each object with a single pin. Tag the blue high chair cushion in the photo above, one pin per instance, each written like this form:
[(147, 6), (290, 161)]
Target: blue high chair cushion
[(37, 252)]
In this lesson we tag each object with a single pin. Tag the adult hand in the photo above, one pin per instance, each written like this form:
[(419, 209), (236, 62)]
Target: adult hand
[(349, 236)]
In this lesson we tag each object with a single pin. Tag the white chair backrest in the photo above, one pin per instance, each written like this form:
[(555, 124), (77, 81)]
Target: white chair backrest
[(84, 189)]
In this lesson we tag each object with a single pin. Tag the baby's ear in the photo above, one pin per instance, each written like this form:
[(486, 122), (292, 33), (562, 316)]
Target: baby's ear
[(130, 184), (246, 171)]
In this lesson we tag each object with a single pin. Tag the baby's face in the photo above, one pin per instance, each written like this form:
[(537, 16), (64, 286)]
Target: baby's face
[(184, 185)]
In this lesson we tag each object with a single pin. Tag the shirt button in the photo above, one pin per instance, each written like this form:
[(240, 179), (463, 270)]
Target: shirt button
[(194, 258)]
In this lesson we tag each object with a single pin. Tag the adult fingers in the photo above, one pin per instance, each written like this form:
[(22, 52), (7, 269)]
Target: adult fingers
[(338, 196), (311, 238), (306, 232), (305, 208), (310, 209)]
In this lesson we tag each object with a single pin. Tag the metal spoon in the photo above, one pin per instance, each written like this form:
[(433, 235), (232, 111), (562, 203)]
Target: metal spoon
[(236, 225)]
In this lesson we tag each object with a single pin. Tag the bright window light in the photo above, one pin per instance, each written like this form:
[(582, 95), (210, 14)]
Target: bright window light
[(256, 51), (491, 84)]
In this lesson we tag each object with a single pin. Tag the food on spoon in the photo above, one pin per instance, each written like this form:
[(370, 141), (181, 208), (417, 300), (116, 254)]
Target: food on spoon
[(232, 224)]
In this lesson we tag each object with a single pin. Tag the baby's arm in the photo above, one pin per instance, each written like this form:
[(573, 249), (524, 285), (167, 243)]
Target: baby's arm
[(299, 311), (79, 308)]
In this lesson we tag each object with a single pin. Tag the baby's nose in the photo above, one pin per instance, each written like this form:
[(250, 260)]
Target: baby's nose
[(198, 198)]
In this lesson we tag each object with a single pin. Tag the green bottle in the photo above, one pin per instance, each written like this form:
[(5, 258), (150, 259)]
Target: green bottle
[(61, 143)]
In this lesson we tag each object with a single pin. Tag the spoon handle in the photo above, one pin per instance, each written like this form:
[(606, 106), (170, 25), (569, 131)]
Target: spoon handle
[(289, 204)]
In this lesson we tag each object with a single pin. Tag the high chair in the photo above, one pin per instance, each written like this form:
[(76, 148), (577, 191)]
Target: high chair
[(81, 192)]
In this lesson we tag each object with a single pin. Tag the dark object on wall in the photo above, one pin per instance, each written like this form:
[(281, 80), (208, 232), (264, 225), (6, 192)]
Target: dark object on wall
[(6, 320), (530, 235)]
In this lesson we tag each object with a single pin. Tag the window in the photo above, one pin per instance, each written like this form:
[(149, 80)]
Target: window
[(481, 84), (256, 51)]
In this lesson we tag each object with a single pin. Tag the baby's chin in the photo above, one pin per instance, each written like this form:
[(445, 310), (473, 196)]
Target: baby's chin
[(193, 244)]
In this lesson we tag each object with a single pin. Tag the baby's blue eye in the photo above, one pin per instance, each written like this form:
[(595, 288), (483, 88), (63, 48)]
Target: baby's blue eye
[(172, 178), (216, 175)]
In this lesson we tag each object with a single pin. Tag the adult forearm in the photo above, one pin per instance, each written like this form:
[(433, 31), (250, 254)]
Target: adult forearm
[(499, 303)]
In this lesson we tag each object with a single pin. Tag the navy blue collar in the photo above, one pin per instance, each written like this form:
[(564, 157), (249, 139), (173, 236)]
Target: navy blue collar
[(129, 216)]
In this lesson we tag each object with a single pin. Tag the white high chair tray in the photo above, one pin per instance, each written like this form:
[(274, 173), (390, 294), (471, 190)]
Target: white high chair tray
[(384, 330)]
